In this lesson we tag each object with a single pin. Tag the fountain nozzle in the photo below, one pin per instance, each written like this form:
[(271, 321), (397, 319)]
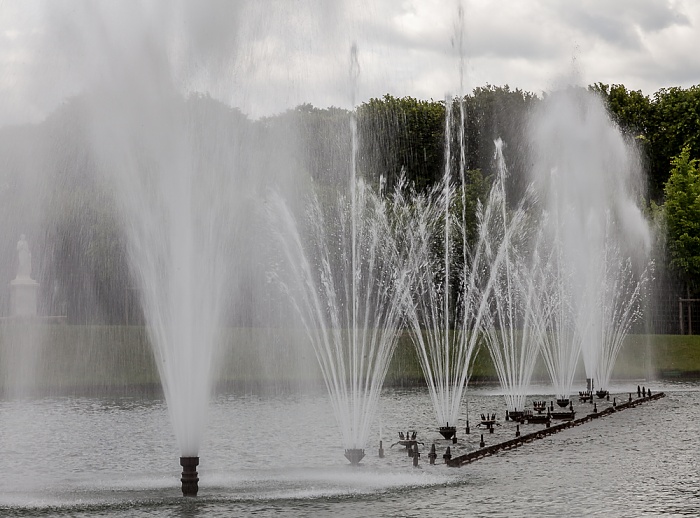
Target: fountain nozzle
[(354, 455), (190, 478), (433, 454)]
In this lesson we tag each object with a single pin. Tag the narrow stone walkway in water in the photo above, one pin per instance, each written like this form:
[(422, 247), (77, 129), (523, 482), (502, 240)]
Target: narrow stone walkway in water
[(549, 429)]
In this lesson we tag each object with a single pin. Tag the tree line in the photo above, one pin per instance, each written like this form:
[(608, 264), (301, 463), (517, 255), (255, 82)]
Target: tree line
[(48, 192)]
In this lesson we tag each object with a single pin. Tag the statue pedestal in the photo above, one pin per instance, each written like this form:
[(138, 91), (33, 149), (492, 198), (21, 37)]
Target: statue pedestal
[(23, 297)]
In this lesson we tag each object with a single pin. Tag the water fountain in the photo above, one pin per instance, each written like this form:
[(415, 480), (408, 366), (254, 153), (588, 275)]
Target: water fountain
[(561, 345), (178, 164), (184, 170), (516, 326), (348, 271), (348, 281), (620, 306), (450, 297), (588, 178)]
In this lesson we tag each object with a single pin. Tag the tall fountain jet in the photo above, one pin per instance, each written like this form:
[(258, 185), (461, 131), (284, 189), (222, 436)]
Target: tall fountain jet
[(448, 301), (588, 178), (174, 167), (176, 162)]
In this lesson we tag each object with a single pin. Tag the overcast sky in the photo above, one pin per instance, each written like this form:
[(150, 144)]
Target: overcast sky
[(267, 55)]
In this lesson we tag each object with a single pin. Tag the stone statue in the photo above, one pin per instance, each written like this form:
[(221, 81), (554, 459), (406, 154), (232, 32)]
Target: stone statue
[(23, 288), (24, 263)]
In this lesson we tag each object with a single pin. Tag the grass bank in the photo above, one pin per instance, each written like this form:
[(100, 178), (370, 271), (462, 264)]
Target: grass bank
[(118, 359)]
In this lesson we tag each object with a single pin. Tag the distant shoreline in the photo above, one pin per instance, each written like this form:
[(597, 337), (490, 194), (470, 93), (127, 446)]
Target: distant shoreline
[(117, 360)]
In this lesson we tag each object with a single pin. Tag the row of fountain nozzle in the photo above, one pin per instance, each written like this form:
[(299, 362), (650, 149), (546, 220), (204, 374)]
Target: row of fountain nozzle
[(433, 455), (643, 392)]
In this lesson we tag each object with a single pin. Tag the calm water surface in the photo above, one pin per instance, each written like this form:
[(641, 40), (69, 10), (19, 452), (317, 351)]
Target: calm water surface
[(282, 455)]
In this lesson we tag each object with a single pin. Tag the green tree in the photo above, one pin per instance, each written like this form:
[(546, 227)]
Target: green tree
[(661, 125), (493, 112), (402, 135), (683, 217), (631, 109), (675, 123)]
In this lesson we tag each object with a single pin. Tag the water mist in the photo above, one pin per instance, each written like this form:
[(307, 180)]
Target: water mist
[(588, 178)]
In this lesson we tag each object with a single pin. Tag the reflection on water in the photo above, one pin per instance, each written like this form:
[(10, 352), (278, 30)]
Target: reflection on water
[(88, 457)]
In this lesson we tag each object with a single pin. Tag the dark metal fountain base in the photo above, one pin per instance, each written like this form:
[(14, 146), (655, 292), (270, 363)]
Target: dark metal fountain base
[(601, 394), (354, 455), (539, 406), (448, 431), (563, 402), (190, 478), (515, 415)]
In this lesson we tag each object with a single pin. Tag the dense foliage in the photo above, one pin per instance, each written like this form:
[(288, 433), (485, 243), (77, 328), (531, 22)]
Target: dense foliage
[(683, 216), (663, 124)]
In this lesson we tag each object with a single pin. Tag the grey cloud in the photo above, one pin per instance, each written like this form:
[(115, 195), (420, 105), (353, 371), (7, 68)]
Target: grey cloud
[(520, 43), (675, 72), (655, 16), (619, 22)]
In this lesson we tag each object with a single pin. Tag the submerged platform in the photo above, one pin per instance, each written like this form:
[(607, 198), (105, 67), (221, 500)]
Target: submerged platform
[(545, 432)]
